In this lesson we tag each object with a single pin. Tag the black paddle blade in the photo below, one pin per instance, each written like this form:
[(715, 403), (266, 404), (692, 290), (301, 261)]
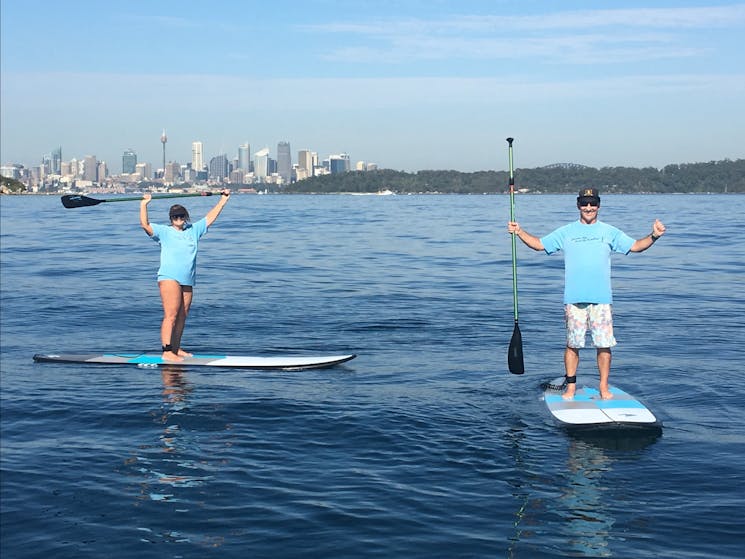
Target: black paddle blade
[(515, 353), (78, 201)]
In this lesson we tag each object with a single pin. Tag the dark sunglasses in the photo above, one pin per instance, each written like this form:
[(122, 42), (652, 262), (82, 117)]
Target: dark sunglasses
[(593, 204), (178, 216)]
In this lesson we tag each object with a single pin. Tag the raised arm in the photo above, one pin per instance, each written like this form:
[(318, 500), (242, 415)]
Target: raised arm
[(640, 245), (530, 240), (214, 212), (144, 221)]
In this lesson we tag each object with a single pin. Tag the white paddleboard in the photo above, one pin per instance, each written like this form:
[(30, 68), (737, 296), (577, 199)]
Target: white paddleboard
[(289, 362), (588, 409)]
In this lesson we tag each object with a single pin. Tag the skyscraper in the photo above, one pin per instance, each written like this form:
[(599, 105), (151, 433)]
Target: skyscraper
[(129, 162), (197, 159), (304, 164), (219, 167), (144, 170), (284, 162), (339, 163), (244, 157), (90, 168), (261, 164), (172, 172), (102, 172), (57, 161)]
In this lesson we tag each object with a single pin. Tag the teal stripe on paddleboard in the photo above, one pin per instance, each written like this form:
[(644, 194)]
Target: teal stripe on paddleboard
[(147, 360), (602, 404), (607, 404), (551, 398)]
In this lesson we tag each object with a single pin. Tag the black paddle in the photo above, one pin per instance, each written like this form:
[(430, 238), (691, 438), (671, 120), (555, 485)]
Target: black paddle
[(80, 201), (515, 353)]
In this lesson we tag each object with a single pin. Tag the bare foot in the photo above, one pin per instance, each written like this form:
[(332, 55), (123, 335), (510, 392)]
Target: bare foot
[(605, 394), (184, 353), (569, 392), (170, 356)]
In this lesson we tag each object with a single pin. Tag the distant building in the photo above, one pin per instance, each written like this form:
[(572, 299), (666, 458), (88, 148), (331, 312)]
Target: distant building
[(219, 168), (144, 170), (129, 162), (197, 159), (339, 163), (305, 163), (244, 157), (11, 171), (284, 162), (57, 161), (172, 173), (261, 164), (188, 174), (90, 168), (238, 176), (102, 172)]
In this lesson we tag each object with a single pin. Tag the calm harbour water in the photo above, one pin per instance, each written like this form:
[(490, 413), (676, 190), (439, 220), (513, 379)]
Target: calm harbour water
[(423, 446)]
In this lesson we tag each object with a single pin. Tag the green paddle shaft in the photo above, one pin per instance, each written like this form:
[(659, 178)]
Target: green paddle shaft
[(515, 353), (514, 237)]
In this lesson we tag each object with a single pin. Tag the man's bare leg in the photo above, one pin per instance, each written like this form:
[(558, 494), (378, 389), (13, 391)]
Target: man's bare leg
[(571, 362), (604, 360)]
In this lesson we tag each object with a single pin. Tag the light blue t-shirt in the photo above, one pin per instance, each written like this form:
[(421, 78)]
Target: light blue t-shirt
[(587, 250), (178, 251)]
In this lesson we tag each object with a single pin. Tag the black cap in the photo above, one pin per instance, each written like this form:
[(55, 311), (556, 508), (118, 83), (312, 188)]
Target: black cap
[(178, 209), (588, 195)]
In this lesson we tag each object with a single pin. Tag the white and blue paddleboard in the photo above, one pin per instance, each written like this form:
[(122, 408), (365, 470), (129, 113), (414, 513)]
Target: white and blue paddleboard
[(588, 410), (288, 363)]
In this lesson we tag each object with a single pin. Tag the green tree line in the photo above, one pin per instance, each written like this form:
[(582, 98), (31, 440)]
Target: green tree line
[(716, 177), (8, 185)]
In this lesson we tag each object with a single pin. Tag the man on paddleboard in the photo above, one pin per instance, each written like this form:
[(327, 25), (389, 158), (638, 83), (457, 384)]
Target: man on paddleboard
[(179, 242), (587, 244)]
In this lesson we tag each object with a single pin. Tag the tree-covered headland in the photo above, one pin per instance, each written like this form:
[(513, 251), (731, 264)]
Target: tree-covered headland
[(11, 186), (725, 176)]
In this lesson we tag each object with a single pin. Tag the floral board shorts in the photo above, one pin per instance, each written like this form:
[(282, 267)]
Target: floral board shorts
[(598, 318)]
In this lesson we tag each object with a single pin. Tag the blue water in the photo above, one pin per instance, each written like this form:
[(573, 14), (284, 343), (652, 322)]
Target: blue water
[(423, 446)]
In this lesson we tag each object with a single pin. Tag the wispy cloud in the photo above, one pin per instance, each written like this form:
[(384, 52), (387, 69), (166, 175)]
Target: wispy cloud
[(577, 36), (673, 18)]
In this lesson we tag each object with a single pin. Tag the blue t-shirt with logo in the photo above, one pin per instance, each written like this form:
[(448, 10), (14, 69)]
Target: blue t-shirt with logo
[(178, 250), (587, 249)]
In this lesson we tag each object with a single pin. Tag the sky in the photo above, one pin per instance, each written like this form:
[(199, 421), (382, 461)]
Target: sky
[(404, 84)]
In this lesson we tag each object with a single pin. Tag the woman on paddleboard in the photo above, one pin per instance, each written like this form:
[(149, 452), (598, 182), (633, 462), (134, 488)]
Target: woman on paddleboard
[(587, 245), (179, 243)]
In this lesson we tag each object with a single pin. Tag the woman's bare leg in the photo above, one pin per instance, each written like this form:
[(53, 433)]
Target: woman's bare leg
[(187, 293), (172, 298)]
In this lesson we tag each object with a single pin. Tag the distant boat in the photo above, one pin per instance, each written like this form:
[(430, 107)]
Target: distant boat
[(385, 192)]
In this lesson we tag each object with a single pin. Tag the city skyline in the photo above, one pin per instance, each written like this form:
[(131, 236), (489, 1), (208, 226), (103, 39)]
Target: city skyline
[(129, 158), (242, 168), (410, 85)]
